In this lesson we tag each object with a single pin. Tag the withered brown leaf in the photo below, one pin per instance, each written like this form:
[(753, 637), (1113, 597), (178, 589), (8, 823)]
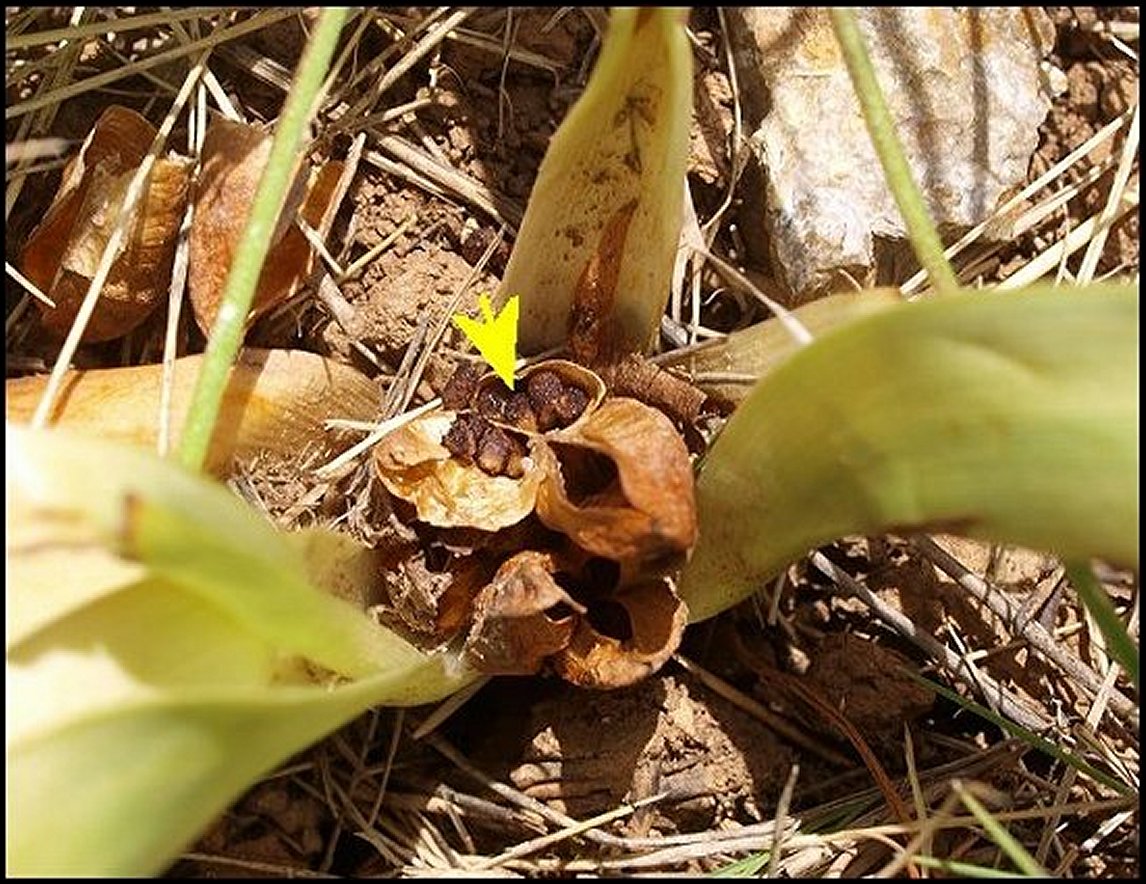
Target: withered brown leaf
[(232, 162), (63, 252)]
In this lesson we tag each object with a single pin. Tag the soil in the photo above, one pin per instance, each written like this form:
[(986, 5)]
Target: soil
[(583, 753)]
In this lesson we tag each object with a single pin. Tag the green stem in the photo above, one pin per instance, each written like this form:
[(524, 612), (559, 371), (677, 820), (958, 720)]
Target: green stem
[(924, 238), (227, 334)]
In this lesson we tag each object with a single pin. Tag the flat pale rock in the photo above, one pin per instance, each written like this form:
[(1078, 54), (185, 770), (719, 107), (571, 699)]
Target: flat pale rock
[(964, 87)]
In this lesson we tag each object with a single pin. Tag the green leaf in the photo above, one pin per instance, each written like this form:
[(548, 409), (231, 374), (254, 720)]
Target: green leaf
[(200, 655), (756, 350), (1006, 417), (622, 148)]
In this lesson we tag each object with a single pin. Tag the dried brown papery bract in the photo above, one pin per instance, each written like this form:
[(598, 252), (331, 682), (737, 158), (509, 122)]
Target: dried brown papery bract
[(522, 617), (415, 465), (233, 158), (63, 252), (620, 484), (628, 637)]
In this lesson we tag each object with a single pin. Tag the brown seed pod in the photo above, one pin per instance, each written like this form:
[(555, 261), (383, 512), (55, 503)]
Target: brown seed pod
[(497, 452), (625, 637), (620, 485), (233, 158), (63, 252), (415, 465), (550, 395), (522, 617)]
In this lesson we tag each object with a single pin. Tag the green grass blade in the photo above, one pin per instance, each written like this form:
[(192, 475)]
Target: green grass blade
[(747, 867), (920, 230), (1011, 418), (623, 144), (1119, 644), (960, 869), (1051, 750), (998, 833), (239, 291)]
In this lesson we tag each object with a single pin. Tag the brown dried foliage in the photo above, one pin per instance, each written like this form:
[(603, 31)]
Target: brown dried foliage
[(62, 254)]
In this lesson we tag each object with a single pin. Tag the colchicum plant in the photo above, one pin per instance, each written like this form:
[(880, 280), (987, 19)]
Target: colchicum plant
[(167, 646)]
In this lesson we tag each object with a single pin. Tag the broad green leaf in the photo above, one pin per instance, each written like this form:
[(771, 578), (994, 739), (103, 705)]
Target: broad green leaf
[(754, 351), (614, 169), (1006, 417), (197, 654)]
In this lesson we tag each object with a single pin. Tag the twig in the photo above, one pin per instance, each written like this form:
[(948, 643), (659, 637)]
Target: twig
[(262, 20), (993, 693), (498, 206), (532, 846), (1031, 631)]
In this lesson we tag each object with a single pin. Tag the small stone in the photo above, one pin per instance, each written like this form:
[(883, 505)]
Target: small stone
[(966, 94)]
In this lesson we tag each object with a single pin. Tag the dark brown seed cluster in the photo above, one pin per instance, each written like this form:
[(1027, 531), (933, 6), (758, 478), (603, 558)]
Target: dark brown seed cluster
[(544, 401), (474, 440), (548, 402), (462, 385)]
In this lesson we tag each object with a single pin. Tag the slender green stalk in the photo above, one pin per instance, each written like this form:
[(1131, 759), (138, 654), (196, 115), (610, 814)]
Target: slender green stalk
[(227, 334), (999, 834), (1118, 642), (924, 238)]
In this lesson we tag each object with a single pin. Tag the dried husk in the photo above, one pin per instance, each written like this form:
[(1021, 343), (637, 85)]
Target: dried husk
[(511, 633), (656, 617), (63, 252), (233, 158), (432, 604), (275, 401), (415, 466), (645, 518)]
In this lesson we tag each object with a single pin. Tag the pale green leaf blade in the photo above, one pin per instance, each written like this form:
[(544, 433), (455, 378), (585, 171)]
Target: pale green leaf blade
[(624, 143), (138, 710), (136, 721), (1006, 417), (197, 534), (756, 350)]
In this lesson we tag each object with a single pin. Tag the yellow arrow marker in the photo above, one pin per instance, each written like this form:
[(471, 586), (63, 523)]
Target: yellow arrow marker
[(494, 336)]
